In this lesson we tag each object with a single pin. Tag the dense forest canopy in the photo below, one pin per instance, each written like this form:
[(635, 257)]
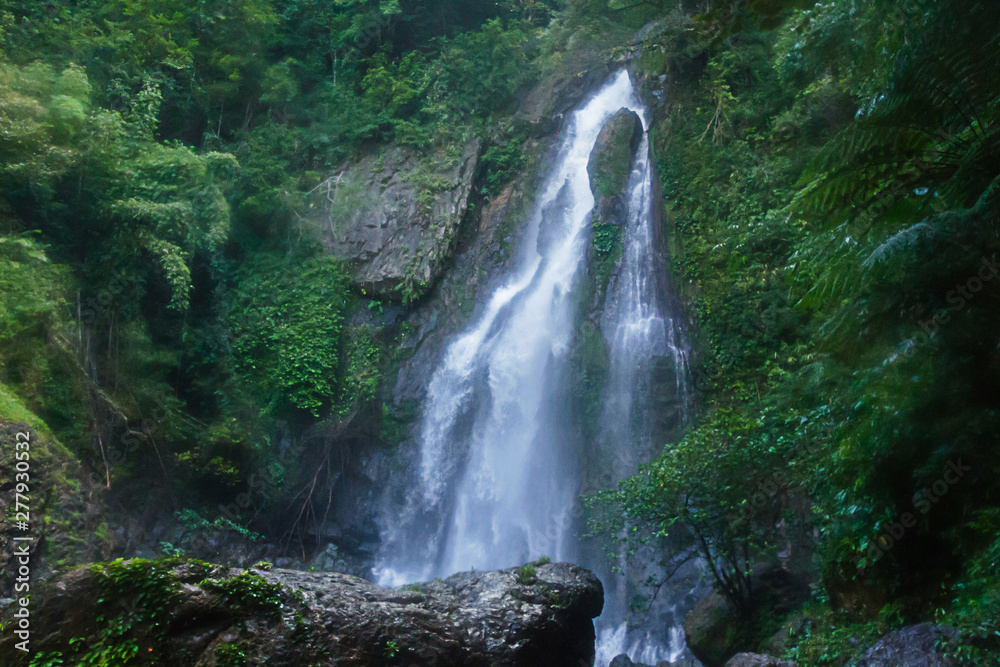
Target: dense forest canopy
[(831, 178)]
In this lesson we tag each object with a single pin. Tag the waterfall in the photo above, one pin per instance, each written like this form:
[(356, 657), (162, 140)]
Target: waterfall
[(639, 324), (498, 476)]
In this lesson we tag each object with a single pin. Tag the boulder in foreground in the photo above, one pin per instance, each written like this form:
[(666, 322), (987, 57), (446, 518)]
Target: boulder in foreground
[(190, 613)]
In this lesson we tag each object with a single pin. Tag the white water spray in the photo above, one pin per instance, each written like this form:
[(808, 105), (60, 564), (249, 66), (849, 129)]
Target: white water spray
[(640, 332)]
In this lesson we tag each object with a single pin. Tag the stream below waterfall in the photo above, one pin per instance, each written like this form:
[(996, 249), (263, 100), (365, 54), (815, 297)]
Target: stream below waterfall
[(499, 471)]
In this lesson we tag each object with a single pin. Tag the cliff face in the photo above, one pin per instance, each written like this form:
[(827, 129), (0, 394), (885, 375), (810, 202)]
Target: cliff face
[(185, 612), (394, 214)]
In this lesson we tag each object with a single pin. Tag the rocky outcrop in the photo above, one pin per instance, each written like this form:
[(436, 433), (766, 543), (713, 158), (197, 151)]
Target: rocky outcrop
[(545, 106), (185, 612), (758, 660), (611, 163), (393, 216), (912, 646)]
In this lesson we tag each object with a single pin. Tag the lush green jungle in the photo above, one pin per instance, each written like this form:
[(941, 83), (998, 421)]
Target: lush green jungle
[(170, 321)]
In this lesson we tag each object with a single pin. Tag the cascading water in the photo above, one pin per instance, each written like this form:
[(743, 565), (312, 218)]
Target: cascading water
[(645, 344), (498, 473)]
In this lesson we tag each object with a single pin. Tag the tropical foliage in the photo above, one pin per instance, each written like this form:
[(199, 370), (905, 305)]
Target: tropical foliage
[(830, 176), (163, 306)]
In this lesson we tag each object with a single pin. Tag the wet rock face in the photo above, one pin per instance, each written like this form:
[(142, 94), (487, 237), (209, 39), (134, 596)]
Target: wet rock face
[(393, 216), (473, 618), (182, 612), (546, 105), (913, 646), (611, 163)]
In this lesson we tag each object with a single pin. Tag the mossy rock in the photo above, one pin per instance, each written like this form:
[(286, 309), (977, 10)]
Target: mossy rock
[(176, 612), (611, 160), (714, 632)]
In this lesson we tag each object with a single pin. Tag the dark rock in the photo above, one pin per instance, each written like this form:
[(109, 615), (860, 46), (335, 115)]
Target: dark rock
[(624, 661), (393, 216), (287, 617), (544, 107), (758, 660), (778, 590), (851, 594), (611, 163), (912, 646), (715, 632), (793, 626)]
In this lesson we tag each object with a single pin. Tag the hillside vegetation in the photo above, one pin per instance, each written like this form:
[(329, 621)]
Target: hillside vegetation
[(170, 318)]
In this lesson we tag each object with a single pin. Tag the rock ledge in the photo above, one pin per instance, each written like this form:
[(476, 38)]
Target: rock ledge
[(185, 612)]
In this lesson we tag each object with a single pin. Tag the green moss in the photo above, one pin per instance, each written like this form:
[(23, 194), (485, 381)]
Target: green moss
[(134, 608), (396, 422), (59, 512), (523, 201), (363, 367), (653, 61), (589, 365), (14, 411), (135, 601), (230, 655), (820, 637), (607, 250), (499, 165), (247, 592), (611, 163), (415, 588)]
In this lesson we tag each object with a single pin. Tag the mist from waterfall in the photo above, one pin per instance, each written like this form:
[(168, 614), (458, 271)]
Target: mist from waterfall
[(499, 476)]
